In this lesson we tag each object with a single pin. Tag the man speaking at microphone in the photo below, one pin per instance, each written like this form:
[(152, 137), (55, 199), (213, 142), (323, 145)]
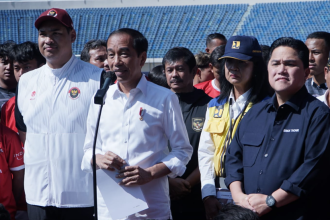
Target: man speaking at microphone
[(138, 119)]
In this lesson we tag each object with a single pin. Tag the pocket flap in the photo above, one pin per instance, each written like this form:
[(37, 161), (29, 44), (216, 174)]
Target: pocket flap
[(215, 125), (252, 139)]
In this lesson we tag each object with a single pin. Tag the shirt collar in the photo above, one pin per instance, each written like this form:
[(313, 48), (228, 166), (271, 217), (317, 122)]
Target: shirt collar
[(294, 102), (242, 98), (141, 86), (322, 86), (58, 72)]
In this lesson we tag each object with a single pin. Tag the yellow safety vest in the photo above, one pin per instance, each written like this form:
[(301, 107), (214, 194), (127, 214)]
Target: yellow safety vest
[(218, 127)]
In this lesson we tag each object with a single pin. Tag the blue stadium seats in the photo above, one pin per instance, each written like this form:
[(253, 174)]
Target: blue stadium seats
[(188, 26), (164, 27)]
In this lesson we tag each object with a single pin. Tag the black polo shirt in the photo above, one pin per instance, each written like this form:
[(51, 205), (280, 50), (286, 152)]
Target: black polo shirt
[(193, 106), (285, 148)]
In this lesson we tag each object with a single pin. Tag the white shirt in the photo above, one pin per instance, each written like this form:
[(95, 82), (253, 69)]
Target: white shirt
[(142, 143), (207, 148), (324, 98), (55, 120), (214, 86)]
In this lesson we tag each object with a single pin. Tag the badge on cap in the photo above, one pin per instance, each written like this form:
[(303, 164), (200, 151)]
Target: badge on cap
[(236, 44), (74, 93), (52, 13)]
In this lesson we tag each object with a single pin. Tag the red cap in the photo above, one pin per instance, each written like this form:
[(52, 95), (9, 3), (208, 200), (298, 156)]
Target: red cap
[(55, 14)]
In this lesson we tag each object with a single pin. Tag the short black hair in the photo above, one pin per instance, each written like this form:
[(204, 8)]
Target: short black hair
[(140, 43), (178, 53), (265, 52), (158, 77), (215, 36), (216, 54), (26, 51), (6, 47), (298, 45), (321, 35), (202, 60), (90, 45), (234, 212)]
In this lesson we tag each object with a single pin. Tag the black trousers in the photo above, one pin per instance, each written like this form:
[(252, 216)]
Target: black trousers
[(54, 213)]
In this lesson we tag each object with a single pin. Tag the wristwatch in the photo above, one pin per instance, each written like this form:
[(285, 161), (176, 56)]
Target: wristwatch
[(270, 201)]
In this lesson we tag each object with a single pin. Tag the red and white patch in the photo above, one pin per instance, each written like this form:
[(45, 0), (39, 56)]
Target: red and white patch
[(33, 95), (74, 93)]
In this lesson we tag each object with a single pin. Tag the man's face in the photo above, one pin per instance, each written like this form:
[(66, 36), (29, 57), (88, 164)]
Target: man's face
[(214, 44), (123, 59), (21, 68), (286, 71), (54, 41), (318, 55), (6, 70), (206, 74), (178, 76), (238, 73), (98, 56)]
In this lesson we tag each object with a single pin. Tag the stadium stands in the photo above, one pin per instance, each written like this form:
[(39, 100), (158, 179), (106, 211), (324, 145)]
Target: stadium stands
[(187, 26), (269, 21), (164, 27)]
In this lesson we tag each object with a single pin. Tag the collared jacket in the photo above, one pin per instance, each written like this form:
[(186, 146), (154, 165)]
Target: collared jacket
[(288, 148)]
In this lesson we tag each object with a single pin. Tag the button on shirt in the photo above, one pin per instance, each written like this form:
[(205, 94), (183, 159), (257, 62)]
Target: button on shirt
[(207, 148), (52, 108), (285, 148), (141, 142)]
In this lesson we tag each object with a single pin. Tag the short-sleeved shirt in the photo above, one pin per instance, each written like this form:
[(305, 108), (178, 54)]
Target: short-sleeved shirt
[(8, 114), (11, 159), (52, 108), (209, 88), (5, 95), (285, 148)]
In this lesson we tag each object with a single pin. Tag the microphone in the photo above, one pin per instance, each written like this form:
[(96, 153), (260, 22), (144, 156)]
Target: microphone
[(108, 78)]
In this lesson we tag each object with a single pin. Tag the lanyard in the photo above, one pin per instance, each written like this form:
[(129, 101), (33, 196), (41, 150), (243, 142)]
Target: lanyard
[(230, 134)]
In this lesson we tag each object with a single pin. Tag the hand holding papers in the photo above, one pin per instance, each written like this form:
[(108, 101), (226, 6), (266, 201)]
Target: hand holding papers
[(121, 201)]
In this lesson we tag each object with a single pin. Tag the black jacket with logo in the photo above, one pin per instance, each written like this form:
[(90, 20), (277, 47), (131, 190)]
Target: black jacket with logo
[(193, 106)]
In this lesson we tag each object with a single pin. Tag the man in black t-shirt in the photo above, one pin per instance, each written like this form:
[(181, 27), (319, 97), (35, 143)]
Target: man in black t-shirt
[(7, 78), (185, 191)]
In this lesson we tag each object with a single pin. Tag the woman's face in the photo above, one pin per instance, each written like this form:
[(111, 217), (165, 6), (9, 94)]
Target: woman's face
[(239, 73)]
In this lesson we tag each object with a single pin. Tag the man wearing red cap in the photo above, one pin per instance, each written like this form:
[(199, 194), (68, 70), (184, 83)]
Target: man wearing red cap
[(51, 119)]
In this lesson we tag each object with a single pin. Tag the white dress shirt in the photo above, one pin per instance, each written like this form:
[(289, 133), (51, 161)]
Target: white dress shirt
[(324, 98), (207, 148), (141, 142), (55, 121)]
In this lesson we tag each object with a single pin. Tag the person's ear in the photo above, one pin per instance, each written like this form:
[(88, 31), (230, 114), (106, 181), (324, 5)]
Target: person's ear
[(307, 71), (325, 72), (207, 50), (196, 71), (73, 35), (143, 57)]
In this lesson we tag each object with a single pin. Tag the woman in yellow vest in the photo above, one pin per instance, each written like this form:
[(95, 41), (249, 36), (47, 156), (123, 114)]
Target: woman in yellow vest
[(243, 82)]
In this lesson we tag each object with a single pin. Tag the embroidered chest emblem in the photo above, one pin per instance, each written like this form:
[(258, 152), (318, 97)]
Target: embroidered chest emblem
[(74, 93), (218, 111), (197, 124), (33, 95)]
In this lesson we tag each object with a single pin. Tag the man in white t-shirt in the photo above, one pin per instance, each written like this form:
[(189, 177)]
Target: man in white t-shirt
[(51, 114)]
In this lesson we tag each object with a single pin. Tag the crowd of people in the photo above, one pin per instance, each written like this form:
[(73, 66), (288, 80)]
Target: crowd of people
[(250, 118)]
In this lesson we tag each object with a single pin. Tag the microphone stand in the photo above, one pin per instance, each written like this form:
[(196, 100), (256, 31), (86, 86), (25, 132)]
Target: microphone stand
[(99, 100)]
